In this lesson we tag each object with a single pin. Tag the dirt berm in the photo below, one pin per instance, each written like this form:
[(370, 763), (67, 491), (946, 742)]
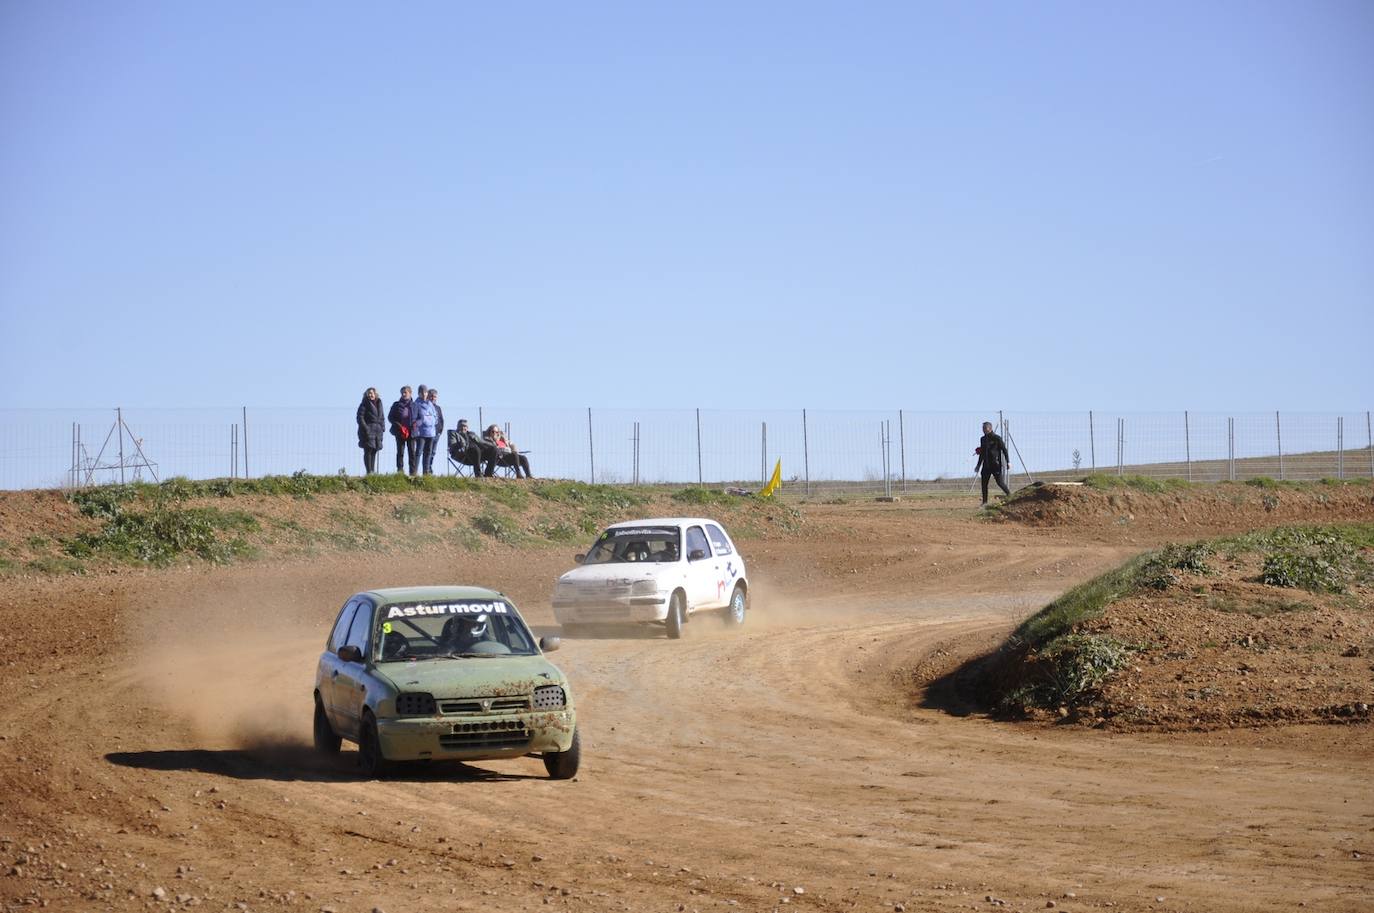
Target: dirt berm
[(155, 731)]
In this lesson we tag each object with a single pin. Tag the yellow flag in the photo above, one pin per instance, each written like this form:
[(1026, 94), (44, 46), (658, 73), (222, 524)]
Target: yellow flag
[(774, 482)]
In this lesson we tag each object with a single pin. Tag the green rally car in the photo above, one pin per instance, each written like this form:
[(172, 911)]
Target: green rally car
[(442, 673)]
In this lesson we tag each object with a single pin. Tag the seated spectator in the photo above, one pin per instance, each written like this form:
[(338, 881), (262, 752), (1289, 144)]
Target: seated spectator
[(467, 448), (506, 454)]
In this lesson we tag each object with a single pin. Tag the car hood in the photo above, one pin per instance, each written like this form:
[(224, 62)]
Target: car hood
[(617, 573), (472, 676)]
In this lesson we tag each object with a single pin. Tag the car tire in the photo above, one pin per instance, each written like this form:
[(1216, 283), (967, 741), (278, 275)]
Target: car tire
[(738, 607), (562, 765), (677, 616), (370, 758), (327, 741)]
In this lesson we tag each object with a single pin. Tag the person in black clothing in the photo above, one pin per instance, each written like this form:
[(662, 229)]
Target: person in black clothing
[(468, 448), (402, 418), (993, 460), (371, 427)]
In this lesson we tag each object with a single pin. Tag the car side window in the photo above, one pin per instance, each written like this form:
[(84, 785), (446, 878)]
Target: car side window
[(696, 539), (336, 638), (719, 539), (360, 632)]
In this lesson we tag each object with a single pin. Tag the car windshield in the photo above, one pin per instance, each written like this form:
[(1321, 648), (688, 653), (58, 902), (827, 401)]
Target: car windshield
[(639, 543), (475, 628)]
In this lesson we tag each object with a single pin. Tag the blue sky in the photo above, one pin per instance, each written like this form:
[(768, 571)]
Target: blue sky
[(919, 205)]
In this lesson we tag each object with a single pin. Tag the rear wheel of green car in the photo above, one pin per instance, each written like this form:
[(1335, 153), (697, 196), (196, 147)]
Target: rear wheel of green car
[(677, 616), (326, 740), (562, 765), (370, 757)]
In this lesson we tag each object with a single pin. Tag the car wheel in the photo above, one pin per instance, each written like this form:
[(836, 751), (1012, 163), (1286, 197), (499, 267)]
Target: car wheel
[(326, 740), (677, 616), (739, 604), (370, 757), (562, 765)]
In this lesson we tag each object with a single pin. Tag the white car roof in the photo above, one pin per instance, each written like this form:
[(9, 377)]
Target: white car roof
[(666, 521)]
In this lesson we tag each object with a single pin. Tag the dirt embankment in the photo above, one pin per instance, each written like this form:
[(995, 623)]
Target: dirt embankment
[(1182, 511)]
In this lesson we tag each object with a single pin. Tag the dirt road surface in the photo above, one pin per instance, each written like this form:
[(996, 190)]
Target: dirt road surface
[(154, 742)]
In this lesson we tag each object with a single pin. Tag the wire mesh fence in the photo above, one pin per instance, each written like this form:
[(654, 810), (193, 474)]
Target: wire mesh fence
[(821, 452)]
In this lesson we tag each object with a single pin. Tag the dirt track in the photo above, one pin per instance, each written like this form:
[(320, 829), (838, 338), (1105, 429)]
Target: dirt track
[(165, 747)]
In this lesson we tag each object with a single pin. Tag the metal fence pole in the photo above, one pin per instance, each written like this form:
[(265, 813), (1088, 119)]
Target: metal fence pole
[(1231, 449), (901, 433), (763, 456), (245, 443), (699, 479), (1120, 446), (1369, 432), (1092, 441), (1187, 445), (806, 455), (591, 445), (119, 420), (1278, 436), (1340, 446)]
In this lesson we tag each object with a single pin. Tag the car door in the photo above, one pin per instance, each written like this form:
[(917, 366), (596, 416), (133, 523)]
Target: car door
[(349, 678), (703, 571), (730, 565), (329, 660)]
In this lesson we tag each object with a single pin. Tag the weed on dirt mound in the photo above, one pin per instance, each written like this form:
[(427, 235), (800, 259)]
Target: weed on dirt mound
[(1267, 627), (1137, 502)]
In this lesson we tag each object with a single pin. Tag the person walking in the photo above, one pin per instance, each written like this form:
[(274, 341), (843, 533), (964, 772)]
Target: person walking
[(371, 428), (426, 419), (402, 417), (993, 460)]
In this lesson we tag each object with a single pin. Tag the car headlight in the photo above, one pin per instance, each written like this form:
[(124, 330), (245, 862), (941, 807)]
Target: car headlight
[(550, 697), (415, 703), (644, 588)]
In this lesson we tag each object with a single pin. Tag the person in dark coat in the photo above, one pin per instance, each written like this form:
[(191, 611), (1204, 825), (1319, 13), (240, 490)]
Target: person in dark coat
[(471, 449), (402, 418), (371, 428), (993, 460)]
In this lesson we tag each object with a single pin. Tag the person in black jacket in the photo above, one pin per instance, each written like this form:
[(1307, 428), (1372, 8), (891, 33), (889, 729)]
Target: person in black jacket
[(402, 418), (371, 427), (468, 448), (993, 460)]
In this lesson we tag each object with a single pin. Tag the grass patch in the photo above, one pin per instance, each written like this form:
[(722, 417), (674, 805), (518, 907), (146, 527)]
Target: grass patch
[(1068, 671), (166, 532), (1082, 603), (513, 496), (59, 564), (410, 512), (1103, 482), (502, 528), (465, 537), (708, 496)]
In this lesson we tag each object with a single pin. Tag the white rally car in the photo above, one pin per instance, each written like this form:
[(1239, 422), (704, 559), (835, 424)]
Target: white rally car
[(659, 571)]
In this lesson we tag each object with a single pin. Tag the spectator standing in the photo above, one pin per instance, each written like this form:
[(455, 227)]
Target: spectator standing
[(506, 454), (473, 450), (422, 432), (438, 431), (993, 460), (402, 417), (371, 428)]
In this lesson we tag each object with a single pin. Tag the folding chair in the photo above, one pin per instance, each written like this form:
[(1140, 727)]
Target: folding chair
[(457, 458)]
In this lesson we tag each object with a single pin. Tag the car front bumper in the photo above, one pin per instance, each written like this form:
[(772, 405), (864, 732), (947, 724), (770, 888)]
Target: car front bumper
[(473, 738), (610, 609)]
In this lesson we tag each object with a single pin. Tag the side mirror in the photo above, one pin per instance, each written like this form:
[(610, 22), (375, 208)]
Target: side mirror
[(350, 654), (549, 643), (579, 558), (696, 554)]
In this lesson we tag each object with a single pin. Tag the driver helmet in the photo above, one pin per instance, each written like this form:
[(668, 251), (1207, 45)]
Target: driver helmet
[(466, 628)]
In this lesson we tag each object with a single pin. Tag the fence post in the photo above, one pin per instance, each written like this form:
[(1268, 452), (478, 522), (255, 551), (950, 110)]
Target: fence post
[(806, 455), (901, 433), (1231, 448), (591, 445), (1278, 436), (699, 480), (1369, 431), (1120, 446), (1187, 445), (246, 474), (1092, 440), (1340, 446), (763, 456)]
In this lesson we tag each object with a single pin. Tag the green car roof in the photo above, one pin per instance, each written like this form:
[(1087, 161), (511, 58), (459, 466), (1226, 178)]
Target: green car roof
[(432, 594)]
